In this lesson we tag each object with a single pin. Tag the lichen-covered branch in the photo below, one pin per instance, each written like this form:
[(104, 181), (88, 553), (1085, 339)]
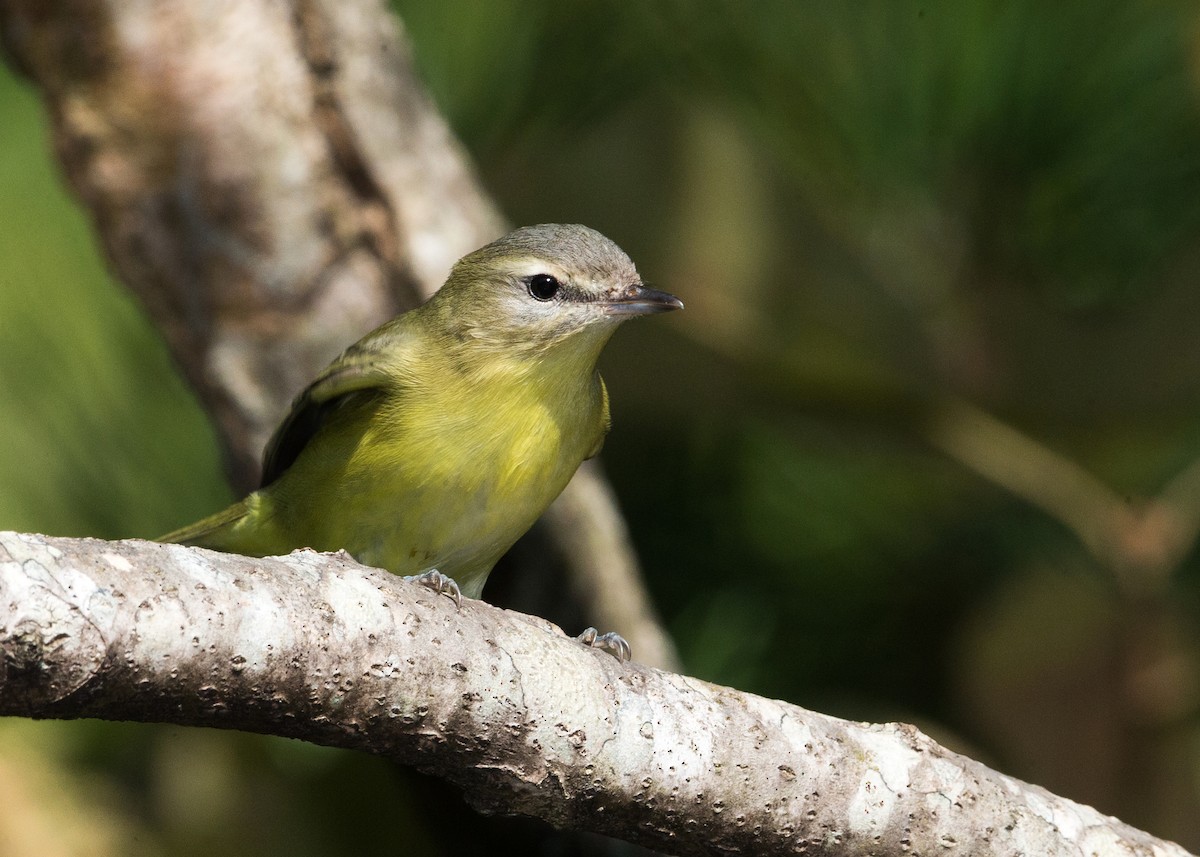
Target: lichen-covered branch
[(272, 180), (527, 720)]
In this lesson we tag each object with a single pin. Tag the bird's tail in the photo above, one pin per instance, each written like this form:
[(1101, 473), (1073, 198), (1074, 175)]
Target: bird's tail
[(215, 532)]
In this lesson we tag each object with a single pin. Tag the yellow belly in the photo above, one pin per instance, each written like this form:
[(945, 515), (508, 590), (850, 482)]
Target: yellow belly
[(446, 487)]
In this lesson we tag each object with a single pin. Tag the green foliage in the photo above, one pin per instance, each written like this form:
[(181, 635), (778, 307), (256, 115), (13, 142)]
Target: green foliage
[(101, 437), (1062, 134)]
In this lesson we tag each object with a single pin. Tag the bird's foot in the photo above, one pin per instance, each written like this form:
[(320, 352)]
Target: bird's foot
[(613, 643), (439, 583)]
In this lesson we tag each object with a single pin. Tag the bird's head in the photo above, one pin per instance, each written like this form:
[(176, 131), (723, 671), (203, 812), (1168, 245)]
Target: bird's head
[(540, 287)]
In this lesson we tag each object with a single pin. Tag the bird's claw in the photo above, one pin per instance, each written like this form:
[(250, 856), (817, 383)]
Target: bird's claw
[(613, 643), (439, 583)]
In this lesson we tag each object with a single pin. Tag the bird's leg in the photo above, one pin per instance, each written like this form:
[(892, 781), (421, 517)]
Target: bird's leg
[(613, 643), (439, 583)]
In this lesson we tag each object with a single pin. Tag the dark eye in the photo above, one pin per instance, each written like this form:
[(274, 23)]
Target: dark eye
[(543, 286)]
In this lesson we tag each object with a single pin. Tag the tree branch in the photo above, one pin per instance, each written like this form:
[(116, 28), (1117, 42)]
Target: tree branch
[(268, 178), (527, 721)]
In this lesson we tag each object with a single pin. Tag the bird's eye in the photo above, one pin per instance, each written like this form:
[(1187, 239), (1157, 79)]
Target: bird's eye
[(543, 286)]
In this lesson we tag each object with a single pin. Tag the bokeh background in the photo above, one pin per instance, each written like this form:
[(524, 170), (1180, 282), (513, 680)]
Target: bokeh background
[(924, 446)]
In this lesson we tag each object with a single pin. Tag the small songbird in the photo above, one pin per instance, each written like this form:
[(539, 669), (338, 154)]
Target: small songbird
[(432, 444)]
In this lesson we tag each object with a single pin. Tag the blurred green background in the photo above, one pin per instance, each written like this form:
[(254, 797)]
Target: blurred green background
[(941, 263)]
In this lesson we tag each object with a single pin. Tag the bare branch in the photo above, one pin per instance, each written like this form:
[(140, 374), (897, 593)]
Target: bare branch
[(1141, 543), (527, 721), (1030, 470)]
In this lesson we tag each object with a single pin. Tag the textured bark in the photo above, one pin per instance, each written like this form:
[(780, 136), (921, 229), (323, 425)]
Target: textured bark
[(268, 177), (528, 721), (272, 181)]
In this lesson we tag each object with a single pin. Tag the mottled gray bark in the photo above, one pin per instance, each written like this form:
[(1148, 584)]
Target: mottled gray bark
[(528, 721), (268, 177)]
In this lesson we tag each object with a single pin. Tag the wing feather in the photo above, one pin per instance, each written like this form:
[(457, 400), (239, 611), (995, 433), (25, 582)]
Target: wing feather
[(361, 371)]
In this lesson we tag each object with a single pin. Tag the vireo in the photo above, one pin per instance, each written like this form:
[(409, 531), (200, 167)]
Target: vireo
[(434, 442)]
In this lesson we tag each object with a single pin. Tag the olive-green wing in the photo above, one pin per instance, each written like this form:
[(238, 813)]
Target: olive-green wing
[(359, 373)]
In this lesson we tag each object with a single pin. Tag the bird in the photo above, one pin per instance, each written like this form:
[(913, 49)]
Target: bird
[(433, 443)]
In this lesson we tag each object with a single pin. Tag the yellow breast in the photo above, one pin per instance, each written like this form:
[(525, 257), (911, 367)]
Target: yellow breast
[(445, 476)]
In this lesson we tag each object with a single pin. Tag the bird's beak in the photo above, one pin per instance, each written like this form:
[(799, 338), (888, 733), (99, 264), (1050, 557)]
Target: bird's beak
[(639, 300)]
